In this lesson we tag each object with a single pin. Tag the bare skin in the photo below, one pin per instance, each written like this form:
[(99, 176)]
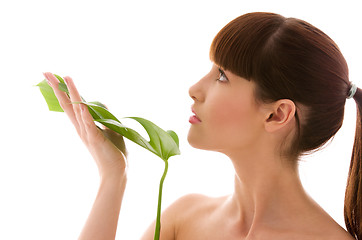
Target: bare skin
[(269, 201), (103, 218)]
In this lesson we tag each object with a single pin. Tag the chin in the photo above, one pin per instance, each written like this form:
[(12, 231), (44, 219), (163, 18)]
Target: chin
[(196, 141)]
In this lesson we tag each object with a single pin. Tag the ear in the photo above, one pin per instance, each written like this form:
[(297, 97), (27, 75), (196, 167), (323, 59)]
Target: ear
[(281, 113)]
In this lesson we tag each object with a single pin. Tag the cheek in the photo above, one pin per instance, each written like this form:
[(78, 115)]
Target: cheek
[(228, 121), (234, 122), (230, 114)]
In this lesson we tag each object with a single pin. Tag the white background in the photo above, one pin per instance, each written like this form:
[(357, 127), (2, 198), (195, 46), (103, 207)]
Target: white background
[(139, 58)]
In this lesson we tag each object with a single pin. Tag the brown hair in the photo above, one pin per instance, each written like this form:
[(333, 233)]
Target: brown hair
[(289, 58)]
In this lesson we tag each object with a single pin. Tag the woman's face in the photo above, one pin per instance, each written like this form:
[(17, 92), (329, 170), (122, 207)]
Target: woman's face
[(227, 118)]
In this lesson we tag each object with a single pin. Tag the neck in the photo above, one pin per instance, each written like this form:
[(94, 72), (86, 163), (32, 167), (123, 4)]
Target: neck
[(267, 191)]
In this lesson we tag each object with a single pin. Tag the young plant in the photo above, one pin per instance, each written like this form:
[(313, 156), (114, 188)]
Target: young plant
[(164, 144)]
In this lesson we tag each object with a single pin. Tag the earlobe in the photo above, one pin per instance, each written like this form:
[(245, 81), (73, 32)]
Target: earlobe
[(282, 112)]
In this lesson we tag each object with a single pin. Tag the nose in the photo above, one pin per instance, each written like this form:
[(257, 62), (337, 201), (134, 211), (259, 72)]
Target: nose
[(196, 92)]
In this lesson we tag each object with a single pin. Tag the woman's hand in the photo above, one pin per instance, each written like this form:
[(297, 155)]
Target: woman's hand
[(107, 155)]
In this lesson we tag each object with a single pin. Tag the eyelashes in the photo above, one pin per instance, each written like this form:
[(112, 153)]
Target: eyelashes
[(222, 76)]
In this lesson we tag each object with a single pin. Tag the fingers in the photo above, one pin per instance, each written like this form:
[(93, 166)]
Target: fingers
[(64, 101), (87, 126), (91, 132), (77, 112), (108, 157), (75, 99)]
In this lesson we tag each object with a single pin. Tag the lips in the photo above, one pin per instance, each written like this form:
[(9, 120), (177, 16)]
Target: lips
[(194, 118)]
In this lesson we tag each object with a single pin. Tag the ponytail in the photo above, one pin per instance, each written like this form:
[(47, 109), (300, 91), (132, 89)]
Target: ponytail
[(353, 197)]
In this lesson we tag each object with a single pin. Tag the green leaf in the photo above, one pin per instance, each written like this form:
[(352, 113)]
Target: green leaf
[(163, 143), (174, 136), (99, 104), (127, 133), (50, 98), (100, 110), (62, 86), (48, 93)]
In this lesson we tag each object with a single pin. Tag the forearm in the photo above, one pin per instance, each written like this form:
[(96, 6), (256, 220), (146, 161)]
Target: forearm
[(103, 218)]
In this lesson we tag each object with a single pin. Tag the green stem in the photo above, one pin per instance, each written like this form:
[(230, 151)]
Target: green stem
[(158, 220)]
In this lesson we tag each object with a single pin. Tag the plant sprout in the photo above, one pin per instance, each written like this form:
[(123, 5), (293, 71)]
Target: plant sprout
[(164, 144)]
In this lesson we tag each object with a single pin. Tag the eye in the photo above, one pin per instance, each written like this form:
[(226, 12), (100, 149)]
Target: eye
[(222, 76)]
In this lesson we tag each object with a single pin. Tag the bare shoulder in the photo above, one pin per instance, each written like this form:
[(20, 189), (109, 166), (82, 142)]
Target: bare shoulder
[(195, 200), (184, 211), (192, 203), (330, 230), (339, 234), (196, 215)]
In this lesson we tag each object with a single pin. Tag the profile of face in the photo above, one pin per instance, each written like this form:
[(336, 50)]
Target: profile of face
[(283, 94), (227, 117), (231, 104)]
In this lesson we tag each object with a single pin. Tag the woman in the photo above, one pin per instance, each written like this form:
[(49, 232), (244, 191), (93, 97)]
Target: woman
[(276, 91)]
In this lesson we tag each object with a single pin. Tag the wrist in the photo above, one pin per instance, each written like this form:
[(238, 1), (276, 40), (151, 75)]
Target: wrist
[(113, 177), (113, 170)]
